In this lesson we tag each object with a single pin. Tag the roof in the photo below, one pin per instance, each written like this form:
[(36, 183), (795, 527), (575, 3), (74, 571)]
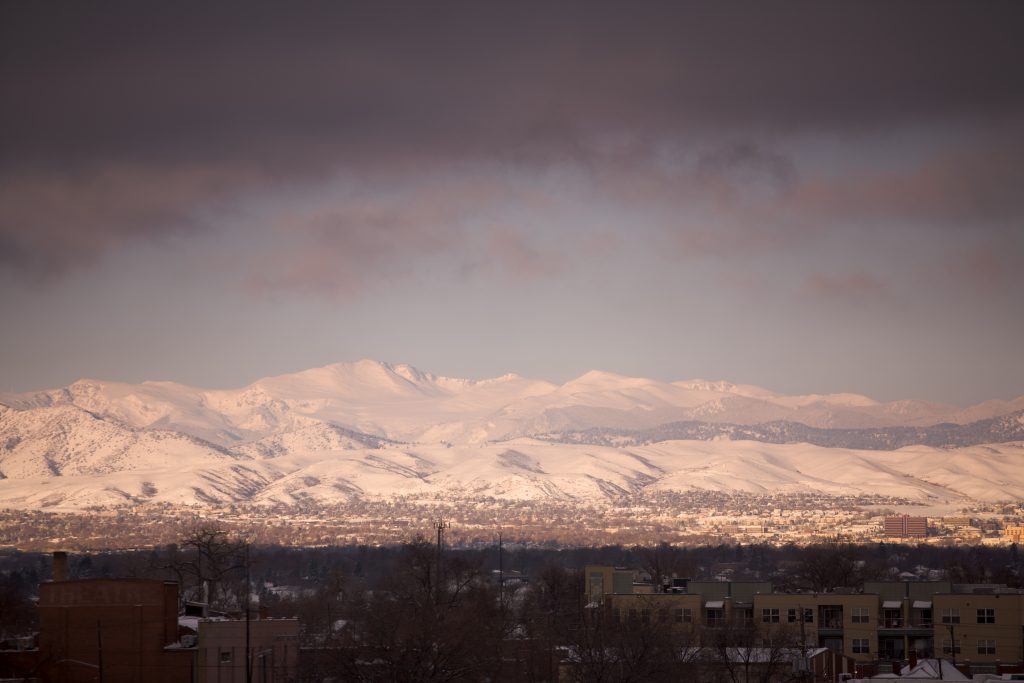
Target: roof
[(929, 669), (191, 623)]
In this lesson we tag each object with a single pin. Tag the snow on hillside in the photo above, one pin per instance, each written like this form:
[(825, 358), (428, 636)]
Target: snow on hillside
[(373, 428), (524, 469), (402, 403), (65, 440)]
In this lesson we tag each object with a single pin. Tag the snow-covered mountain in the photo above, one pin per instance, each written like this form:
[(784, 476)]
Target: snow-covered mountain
[(373, 428)]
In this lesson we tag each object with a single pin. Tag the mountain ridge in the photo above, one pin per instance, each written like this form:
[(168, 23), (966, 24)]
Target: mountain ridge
[(370, 428)]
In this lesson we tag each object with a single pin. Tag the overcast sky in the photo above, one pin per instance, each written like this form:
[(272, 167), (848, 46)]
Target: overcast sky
[(812, 197)]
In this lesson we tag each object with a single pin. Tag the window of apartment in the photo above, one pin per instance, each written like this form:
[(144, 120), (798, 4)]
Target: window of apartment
[(808, 615), (951, 615), (645, 615), (770, 615), (748, 616), (860, 615), (892, 618), (986, 616), (684, 615), (596, 585), (986, 647), (225, 656), (715, 616), (791, 616), (950, 647), (860, 646)]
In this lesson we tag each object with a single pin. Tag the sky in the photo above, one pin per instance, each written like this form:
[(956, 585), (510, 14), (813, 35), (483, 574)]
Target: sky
[(811, 197)]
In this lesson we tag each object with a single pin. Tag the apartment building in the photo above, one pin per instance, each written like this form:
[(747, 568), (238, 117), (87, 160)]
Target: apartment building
[(905, 526), (980, 628)]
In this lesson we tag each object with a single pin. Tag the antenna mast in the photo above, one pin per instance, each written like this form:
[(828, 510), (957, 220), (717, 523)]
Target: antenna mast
[(440, 525)]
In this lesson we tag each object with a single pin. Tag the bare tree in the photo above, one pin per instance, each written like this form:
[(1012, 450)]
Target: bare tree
[(752, 652), (209, 565), (609, 650), (663, 562), (414, 625), (828, 566)]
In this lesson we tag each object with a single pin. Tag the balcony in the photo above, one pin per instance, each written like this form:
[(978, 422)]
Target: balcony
[(898, 626), (830, 620)]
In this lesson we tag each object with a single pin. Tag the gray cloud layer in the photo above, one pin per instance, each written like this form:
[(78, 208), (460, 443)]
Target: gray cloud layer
[(126, 121)]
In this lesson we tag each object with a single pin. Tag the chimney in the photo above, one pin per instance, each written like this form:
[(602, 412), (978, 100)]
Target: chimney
[(60, 565)]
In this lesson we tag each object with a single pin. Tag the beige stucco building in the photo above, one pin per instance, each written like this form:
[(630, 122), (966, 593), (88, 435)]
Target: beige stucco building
[(980, 628)]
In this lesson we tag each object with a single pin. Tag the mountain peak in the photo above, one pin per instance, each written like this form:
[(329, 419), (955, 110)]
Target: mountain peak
[(600, 377)]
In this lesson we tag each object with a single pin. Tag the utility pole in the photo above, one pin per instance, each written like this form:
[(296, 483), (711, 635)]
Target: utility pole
[(952, 651), (248, 594), (440, 525), (501, 575), (99, 649), (952, 644), (805, 666)]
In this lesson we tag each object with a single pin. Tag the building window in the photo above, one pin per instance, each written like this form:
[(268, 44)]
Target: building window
[(986, 616), (684, 615), (645, 615), (951, 615), (791, 616), (596, 586), (808, 615), (632, 614), (860, 615), (860, 646), (715, 617), (748, 616), (950, 647), (892, 618), (986, 647), (225, 656), (770, 615)]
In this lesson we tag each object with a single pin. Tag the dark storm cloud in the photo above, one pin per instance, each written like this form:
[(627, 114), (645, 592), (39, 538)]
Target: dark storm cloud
[(124, 120)]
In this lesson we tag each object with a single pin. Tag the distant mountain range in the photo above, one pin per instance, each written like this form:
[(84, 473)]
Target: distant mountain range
[(372, 428), (1000, 429)]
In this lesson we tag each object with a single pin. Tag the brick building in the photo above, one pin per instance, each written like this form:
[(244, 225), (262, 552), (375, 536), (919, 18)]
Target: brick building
[(114, 630), (906, 526)]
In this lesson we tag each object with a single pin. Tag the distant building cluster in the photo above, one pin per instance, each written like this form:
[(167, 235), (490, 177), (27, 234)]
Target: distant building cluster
[(905, 526)]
